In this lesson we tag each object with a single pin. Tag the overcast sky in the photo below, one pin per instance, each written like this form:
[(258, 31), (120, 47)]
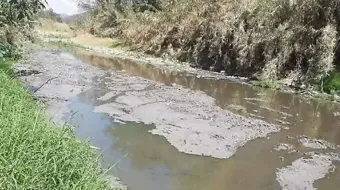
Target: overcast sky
[(63, 6)]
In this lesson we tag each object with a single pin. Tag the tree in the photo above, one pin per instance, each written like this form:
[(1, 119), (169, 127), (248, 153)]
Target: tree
[(15, 12), (16, 21), (50, 14)]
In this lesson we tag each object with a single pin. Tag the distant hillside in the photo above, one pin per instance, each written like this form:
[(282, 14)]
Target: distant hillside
[(64, 15), (72, 19)]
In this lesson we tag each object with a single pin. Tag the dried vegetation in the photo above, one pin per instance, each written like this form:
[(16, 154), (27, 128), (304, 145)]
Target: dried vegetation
[(292, 41)]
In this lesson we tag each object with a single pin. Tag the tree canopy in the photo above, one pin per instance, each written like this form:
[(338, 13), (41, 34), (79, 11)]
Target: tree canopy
[(14, 12)]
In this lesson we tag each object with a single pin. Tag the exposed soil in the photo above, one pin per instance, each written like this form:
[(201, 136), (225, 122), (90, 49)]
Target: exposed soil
[(316, 143), (283, 147), (60, 78), (303, 172), (188, 119)]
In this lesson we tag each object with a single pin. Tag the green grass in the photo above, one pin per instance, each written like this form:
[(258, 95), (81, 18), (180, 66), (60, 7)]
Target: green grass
[(36, 154), (331, 84), (5, 66)]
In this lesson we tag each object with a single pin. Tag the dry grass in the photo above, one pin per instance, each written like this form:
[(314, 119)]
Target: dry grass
[(86, 39), (51, 28)]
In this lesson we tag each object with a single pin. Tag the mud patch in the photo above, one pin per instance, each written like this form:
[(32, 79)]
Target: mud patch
[(108, 96), (57, 78), (188, 119), (303, 172), (283, 147), (316, 143)]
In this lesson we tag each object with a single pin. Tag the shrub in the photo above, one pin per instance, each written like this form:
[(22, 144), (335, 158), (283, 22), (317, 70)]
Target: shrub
[(8, 51), (16, 23), (331, 84)]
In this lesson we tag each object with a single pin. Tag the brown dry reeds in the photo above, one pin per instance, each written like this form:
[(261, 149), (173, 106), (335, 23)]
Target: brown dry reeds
[(290, 40)]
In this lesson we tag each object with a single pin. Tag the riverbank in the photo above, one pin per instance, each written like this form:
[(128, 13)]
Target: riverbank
[(36, 153)]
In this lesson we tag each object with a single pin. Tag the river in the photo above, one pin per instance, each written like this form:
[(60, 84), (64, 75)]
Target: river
[(266, 139)]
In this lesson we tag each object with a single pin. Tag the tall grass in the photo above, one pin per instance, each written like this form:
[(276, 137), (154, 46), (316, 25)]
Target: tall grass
[(50, 28), (36, 154)]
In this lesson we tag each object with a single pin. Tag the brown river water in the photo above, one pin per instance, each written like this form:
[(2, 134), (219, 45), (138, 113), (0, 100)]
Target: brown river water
[(145, 161)]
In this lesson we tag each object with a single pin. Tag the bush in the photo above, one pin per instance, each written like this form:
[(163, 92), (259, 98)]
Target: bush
[(331, 84), (16, 23), (8, 51)]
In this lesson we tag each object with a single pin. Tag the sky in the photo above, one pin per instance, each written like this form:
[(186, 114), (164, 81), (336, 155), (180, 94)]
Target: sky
[(63, 6)]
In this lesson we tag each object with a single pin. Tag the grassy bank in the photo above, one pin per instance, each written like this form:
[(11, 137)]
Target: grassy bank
[(294, 42), (36, 154)]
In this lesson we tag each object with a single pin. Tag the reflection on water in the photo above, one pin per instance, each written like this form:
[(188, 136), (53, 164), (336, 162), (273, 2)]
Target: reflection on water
[(153, 164)]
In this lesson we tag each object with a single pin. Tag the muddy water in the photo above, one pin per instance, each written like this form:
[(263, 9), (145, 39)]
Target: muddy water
[(148, 162)]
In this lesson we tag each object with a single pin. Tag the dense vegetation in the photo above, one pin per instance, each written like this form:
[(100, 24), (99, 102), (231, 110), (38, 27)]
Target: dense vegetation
[(16, 22), (35, 154), (292, 41)]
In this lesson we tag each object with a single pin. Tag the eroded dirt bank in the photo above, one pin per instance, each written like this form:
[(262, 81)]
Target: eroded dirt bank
[(188, 119)]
